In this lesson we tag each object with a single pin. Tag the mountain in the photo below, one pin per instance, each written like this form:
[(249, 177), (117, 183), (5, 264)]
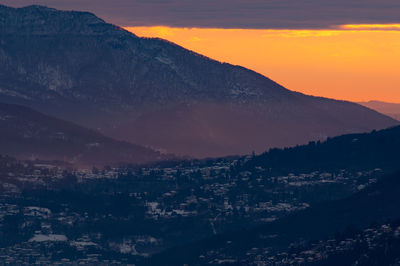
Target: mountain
[(154, 93), (378, 203), (28, 134), (389, 109)]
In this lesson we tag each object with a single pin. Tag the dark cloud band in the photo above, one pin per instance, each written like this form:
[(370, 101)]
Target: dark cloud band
[(288, 14)]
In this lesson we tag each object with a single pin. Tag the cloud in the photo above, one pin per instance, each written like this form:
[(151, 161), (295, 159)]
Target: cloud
[(262, 14), (380, 27), (301, 33)]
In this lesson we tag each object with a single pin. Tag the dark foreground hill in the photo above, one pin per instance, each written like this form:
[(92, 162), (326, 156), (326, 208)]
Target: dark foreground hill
[(28, 134), (151, 92), (378, 149)]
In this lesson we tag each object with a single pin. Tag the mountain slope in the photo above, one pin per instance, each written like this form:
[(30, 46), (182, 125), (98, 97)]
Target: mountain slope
[(155, 93), (389, 109), (25, 133)]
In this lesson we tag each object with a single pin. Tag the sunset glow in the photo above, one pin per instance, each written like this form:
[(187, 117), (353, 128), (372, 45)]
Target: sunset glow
[(351, 62), (372, 27)]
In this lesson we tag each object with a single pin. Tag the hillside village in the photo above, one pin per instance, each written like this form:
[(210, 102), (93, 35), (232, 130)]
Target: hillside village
[(125, 214)]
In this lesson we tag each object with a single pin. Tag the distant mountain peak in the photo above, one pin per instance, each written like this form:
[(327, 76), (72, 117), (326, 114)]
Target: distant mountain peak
[(378, 101), (387, 108)]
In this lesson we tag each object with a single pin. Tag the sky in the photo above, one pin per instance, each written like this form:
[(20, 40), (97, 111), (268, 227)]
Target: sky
[(342, 49)]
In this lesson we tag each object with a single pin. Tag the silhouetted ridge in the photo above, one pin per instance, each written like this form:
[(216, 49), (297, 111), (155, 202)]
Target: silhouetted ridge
[(377, 149), (28, 134)]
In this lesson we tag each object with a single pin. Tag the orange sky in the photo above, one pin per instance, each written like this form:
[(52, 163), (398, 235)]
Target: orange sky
[(352, 62)]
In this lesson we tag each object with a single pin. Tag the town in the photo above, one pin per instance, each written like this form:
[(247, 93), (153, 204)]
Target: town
[(50, 213)]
